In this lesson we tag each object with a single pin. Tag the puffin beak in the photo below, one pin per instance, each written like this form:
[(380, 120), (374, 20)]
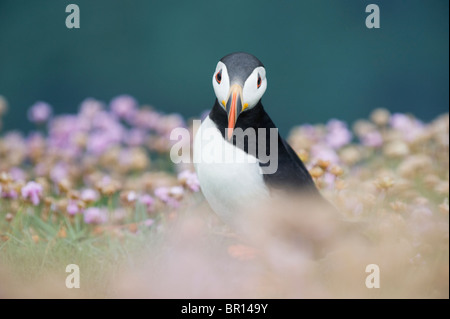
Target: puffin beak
[(233, 107)]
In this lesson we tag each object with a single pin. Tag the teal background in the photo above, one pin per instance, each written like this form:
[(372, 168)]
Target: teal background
[(322, 61)]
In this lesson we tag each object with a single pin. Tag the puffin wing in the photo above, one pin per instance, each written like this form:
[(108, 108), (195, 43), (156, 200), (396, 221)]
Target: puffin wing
[(291, 173)]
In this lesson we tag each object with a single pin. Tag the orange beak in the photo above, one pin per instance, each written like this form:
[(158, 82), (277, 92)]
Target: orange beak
[(233, 107)]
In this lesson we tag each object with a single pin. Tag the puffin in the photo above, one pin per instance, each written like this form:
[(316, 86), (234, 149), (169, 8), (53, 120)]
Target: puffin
[(233, 168)]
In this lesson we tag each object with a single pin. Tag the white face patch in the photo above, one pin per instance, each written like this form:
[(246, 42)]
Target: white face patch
[(254, 87), (221, 82), (252, 92)]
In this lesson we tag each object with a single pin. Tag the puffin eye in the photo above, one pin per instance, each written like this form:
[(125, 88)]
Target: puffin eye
[(219, 76), (259, 81)]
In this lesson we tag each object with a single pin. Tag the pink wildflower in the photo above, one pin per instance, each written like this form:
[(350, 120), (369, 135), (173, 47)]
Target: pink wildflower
[(94, 215), (72, 208), (33, 192), (135, 137), (59, 172), (90, 107), (169, 195), (325, 153), (338, 134), (89, 195), (40, 112), (190, 179), (17, 174), (372, 139), (162, 193), (124, 106), (148, 201)]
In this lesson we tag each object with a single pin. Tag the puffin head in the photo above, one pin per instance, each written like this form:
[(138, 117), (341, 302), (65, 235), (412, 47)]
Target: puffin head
[(239, 83)]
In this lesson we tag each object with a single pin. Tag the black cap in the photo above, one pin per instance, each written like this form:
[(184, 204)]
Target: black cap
[(240, 65)]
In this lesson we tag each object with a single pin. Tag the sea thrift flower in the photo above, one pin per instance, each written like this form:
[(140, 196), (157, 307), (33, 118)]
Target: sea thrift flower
[(323, 164), (36, 144), (410, 127), (189, 179), (98, 143), (362, 127), (329, 179), (40, 112), (33, 192), (316, 172), (90, 107), (400, 121), (324, 153), (59, 172), (131, 196), (310, 132), (396, 149), (176, 192), (89, 195), (135, 137), (148, 201), (124, 158), (124, 106), (107, 186), (72, 208), (338, 134), (170, 122), (5, 178), (16, 146), (11, 194), (104, 120), (94, 215), (162, 193), (380, 117), (63, 135), (17, 174), (169, 195), (336, 170), (372, 139), (128, 197), (147, 119)]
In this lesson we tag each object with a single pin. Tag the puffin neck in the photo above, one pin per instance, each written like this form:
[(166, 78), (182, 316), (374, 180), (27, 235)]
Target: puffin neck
[(249, 118)]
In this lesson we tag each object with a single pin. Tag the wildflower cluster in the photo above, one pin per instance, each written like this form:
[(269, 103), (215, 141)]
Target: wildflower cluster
[(103, 163), (392, 165)]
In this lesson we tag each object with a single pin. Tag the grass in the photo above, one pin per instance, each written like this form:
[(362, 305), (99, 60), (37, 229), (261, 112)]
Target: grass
[(36, 248), (37, 245)]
